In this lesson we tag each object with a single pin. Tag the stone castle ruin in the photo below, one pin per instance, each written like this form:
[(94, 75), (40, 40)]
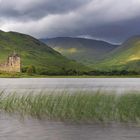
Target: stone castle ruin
[(13, 64)]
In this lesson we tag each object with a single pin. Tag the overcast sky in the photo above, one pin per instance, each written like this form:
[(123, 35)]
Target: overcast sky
[(111, 20)]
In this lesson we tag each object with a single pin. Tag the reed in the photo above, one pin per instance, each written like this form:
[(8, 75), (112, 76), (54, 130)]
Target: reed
[(95, 107)]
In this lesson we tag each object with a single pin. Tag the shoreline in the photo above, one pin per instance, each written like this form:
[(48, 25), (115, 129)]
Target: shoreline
[(18, 75)]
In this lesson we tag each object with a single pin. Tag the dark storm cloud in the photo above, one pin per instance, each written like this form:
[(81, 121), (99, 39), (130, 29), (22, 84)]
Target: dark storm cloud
[(30, 9), (118, 31), (103, 19)]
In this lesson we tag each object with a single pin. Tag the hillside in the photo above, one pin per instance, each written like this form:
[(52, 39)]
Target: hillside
[(86, 51), (126, 56), (34, 52), (99, 54)]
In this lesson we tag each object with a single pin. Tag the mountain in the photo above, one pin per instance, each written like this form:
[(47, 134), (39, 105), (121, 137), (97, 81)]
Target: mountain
[(34, 52), (86, 51), (126, 56), (99, 54)]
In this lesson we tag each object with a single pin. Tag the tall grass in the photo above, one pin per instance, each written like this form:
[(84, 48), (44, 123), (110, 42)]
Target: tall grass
[(96, 107)]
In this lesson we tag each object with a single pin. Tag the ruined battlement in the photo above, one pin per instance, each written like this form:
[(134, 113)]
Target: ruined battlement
[(13, 64)]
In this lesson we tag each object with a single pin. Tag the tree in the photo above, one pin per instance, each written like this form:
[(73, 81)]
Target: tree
[(31, 70)]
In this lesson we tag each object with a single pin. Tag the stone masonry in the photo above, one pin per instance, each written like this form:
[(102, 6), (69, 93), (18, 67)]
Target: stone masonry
[(13, 64)]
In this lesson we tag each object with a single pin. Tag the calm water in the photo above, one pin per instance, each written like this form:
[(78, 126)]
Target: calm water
[(12, 128), (70, 84)]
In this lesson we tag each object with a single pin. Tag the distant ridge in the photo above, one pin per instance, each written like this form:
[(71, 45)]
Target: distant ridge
[(100, 54), (86, 51)]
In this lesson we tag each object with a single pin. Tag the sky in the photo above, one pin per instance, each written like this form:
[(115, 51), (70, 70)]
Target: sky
[(110, 20)]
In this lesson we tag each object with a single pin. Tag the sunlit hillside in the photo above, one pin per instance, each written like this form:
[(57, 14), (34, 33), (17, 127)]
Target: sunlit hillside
[(36, 53)]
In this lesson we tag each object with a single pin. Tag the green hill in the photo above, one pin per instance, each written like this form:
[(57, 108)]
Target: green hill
[(34, 52), (126, 56), (86, 51), (99, 54)]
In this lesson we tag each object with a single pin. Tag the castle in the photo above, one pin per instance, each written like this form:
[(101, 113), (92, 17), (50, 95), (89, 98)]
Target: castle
[(13, 64)]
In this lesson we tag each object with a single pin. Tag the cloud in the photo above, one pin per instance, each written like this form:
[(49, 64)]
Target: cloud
[(106, 19), (36, 9)]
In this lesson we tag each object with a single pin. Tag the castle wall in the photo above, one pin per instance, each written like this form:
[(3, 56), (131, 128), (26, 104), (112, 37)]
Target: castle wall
[(13, 64)]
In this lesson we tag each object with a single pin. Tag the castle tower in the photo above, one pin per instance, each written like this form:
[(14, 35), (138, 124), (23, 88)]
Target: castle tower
[(14, 63)]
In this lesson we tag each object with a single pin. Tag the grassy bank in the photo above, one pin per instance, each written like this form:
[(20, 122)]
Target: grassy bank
[(24, 75), (89, 107)]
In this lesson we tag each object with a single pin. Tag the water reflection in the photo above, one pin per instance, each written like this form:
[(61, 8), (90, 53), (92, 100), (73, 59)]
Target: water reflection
[(12, 128), (70, 84)]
